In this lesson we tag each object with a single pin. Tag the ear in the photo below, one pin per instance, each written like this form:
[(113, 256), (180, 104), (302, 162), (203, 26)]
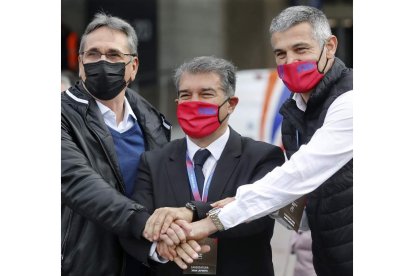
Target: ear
[(331, 45), (81, 72), (233, 103), (135, 65)]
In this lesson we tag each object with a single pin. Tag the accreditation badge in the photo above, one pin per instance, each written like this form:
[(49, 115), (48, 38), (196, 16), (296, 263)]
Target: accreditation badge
[(207, 262)]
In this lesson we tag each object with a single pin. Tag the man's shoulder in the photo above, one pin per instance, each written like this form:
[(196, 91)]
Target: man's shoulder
[(73, 96), (251, 144), (253, 147), (254, 151), (136, 100), (73, 102), (167, 149)]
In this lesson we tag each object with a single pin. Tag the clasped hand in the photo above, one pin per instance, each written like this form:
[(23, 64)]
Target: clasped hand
[(171, 228), (178, 239)]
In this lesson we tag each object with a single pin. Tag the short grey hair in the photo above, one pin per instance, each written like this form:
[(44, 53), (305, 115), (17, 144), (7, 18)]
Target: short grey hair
[(298, 14), (115, 23), (210, 64)]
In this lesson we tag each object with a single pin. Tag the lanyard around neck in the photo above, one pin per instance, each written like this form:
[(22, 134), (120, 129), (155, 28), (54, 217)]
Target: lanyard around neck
[(193, 181)]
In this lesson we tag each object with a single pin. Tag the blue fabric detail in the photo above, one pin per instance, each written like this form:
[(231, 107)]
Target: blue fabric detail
[(129, 146)]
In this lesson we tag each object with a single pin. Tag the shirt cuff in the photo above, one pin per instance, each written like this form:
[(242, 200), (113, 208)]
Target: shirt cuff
[(154, 255)]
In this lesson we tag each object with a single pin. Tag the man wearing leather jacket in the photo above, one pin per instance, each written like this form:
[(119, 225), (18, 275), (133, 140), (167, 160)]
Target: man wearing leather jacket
[(105, 127)]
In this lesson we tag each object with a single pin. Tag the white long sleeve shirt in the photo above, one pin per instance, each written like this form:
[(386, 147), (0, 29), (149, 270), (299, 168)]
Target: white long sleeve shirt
[(330, 148)]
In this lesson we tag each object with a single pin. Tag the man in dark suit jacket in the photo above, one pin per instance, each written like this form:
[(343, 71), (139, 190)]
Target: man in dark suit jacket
[(205, 100)]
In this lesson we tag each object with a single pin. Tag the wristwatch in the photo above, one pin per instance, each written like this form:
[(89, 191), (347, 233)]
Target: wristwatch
[(190, 206), (213, 214)]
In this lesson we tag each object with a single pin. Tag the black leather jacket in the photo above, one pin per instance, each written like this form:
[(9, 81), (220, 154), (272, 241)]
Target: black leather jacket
[(94, 211)]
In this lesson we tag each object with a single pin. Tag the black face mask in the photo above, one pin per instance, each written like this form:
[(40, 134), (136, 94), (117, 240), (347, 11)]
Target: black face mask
[(104, 80)]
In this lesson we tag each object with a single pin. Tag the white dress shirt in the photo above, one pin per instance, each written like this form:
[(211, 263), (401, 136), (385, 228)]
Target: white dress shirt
[(216, 149), (330, 148), (110, 117)]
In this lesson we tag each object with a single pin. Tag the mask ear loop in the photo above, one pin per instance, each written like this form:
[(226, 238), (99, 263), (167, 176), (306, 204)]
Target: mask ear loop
[(218, 111), (132, 57), (319, 59), (129, 81)]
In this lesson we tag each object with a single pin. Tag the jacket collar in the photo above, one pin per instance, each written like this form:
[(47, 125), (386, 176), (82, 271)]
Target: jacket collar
[(323, 87), (151, 121), (225, 166)]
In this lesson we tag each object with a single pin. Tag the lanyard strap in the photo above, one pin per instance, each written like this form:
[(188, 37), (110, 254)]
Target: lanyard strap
[(193, 181)]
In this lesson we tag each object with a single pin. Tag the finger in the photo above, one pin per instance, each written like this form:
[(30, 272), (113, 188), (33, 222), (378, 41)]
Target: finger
[(215, 204), (165, 238), (185, 226), (167, 222), (145, 232), (149, 227), (205, 248), (196, 247), (173, 236), (158, 222), (223, 202), (179, 232), (163, 251), (188, 249), (180, 263), (172, 251), (183, 255), (195, 230), (227, 201)]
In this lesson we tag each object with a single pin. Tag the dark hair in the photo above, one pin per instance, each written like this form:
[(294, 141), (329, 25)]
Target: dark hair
[(210, 64), (115, 23)]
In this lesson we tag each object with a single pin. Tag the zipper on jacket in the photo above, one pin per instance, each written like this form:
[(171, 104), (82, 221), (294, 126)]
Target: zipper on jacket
[(65, 238)]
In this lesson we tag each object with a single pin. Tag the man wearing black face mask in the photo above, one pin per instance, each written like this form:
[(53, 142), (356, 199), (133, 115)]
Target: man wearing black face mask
[(105, 128)]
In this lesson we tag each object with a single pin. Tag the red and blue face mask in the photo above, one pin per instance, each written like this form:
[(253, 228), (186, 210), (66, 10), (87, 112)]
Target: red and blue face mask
[(199, 119), (301, 76)]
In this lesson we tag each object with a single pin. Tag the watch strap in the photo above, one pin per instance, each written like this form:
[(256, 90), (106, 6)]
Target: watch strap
[(193, 208), (213, 214)]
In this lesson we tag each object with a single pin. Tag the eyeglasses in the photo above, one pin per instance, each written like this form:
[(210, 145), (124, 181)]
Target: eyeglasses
[(112, 56)]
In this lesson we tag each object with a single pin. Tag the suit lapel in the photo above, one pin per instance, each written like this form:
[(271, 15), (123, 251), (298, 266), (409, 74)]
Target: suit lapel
[(177, 174), (226, 165)]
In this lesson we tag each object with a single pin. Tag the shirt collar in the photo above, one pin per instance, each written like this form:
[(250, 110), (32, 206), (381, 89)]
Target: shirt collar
[(300, 103), (216, 148), (109, 115)]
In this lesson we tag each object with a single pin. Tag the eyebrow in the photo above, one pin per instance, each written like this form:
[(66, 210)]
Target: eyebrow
[(182, 90), (208, 89), (300, 44), (277, 50), (108, 51), (204, 89)]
